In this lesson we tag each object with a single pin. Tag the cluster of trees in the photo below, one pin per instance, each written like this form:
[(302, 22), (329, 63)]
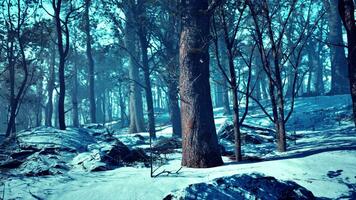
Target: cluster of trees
[(66, 63)]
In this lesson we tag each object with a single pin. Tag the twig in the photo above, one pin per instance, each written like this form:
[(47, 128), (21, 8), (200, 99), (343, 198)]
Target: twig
[(167, 172)]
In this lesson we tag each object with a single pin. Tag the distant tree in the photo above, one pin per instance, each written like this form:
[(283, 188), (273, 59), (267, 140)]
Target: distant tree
[(230, 28), (347, 13), (91, 74), (271, 27), (166, 29), (63, 44), (16, 19), (75, 82), (51, 75), (136, 105), (339, 82), (142, 22), (200, 144)]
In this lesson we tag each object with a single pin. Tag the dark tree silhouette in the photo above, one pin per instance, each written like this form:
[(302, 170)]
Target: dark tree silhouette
[(347, 13)]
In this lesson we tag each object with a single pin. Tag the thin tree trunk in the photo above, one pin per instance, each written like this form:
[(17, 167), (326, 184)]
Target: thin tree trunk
[(142, 34), (148, 89), (91, 74), (63, 48), (75, 94), (50, 86), (174, 110), (235, 104), (39, 89)]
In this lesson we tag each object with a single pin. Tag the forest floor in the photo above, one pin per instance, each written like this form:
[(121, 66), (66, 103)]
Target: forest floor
[(321, 157)]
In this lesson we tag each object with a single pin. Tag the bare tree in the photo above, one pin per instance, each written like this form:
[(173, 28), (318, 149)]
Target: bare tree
[(17, 14), (63, 40), (229, 33), (274, 57)]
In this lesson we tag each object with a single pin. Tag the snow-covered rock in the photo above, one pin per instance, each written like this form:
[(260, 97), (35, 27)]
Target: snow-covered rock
[(241, 187), (74, 140), (108, 156)]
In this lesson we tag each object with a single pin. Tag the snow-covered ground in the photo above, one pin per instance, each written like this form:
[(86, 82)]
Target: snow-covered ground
[(322, 159)]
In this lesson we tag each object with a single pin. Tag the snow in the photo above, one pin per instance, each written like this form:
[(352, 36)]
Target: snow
[(322, 159)]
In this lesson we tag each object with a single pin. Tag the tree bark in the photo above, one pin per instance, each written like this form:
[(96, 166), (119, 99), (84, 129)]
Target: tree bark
[(347, 10), (200, 144)]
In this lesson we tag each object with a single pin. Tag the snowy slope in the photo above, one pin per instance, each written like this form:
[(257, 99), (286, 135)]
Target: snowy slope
[(322, 159)]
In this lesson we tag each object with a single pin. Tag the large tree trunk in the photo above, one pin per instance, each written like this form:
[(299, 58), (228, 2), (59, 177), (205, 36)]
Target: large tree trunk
[(200, 144), (339, 74), (91, 75), (347, 9)]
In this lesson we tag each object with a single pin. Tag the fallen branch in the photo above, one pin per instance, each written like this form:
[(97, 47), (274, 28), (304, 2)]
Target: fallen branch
[(166, 172)]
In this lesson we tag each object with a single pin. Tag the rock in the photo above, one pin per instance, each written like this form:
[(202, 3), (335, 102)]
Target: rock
[(94, 126), (224, 152), (10, 164), (22, 154), (250, 137), (253, 186), (108, 157), (226, 132), (41, 165), (100, 132), (89, 161), (253, 139), (167, 145), (136, 155), (72, 140), (116, 153), (140, 139)]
